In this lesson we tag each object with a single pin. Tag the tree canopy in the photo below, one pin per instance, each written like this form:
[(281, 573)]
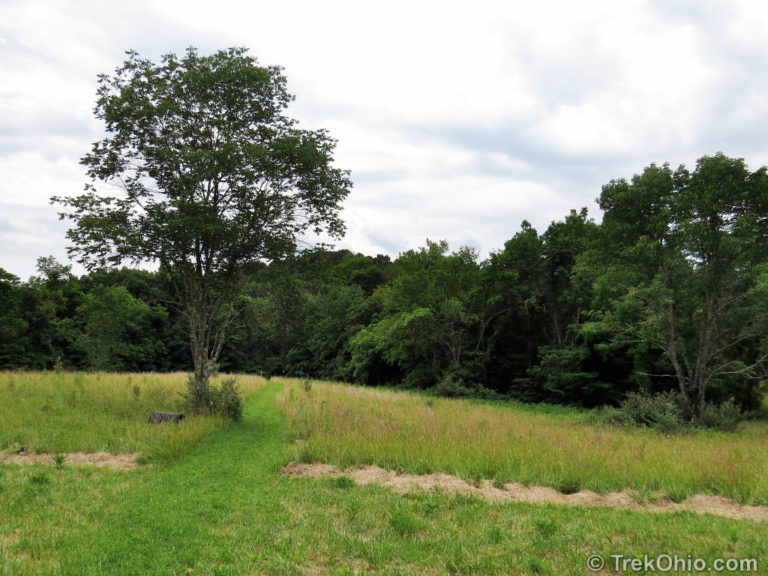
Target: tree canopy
[(686, 264)]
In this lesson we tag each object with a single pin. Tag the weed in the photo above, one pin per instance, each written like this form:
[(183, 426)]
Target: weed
[(642, 497), (404, 523), (343, 482), (546, 528), (58, 460), (677, 495), (306, 385), (40, 479), (735, 533), (428, 507), (305, 455), (569, 485), (136, 392), (229, 400)]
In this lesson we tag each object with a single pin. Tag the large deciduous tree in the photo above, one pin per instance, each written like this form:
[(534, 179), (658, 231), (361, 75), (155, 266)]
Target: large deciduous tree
[(685, 274), (428, 329), (206, 175)]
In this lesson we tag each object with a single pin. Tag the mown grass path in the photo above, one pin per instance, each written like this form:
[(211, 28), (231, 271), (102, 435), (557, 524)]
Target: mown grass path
[(171, 519)]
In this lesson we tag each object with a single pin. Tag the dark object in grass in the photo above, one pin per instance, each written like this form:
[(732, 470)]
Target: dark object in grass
[(158, 417)]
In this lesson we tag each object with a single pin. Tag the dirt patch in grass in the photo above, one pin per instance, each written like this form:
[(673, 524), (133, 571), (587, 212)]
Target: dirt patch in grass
[(101, 459), (514, 492)]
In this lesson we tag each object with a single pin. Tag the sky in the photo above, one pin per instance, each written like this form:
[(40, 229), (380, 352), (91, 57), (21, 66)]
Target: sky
[(457, 120)]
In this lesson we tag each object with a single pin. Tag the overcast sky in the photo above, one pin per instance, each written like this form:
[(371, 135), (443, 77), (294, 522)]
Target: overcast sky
[(457, 119)]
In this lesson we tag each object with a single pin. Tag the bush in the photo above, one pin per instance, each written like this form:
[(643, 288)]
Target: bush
[(725, 416), (664, 412), (223, 400), (660, 411), (450, 387), (453, 386)]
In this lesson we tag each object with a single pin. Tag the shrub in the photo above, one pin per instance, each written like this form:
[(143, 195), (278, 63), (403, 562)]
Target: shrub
[(660, 411), (229, 401), (569, 485), (663, 412), (725, 416), (223, 400), (452, 385)]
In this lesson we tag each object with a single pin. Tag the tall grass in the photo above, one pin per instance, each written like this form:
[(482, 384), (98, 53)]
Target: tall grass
[(79, 412), (353, 426)]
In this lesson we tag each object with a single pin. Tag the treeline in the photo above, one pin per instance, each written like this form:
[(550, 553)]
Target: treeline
[(668, 292)]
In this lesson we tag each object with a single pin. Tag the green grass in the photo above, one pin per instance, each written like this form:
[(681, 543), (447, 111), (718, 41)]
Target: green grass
[(348, 426), (221, 507), (69, 412)]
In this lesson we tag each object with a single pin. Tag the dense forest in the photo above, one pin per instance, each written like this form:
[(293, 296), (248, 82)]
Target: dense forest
[(668, 292)]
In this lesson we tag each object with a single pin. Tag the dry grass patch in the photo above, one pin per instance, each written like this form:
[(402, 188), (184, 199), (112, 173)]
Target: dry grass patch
[(515, 492), (99, 459)]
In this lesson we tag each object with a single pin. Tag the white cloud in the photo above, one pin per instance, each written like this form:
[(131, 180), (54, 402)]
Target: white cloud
[(458, 120), (748, 24), (652, 97)]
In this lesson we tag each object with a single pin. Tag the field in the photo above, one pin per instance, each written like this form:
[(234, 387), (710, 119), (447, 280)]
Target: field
[(209, 497), (550, 446)]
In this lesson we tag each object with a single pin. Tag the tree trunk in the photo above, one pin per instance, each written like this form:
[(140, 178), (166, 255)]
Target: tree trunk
[(208, 323), (199, 339)]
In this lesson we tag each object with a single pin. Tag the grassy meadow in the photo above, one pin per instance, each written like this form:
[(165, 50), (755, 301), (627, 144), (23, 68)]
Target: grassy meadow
[(210, 498), (550, 446)]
